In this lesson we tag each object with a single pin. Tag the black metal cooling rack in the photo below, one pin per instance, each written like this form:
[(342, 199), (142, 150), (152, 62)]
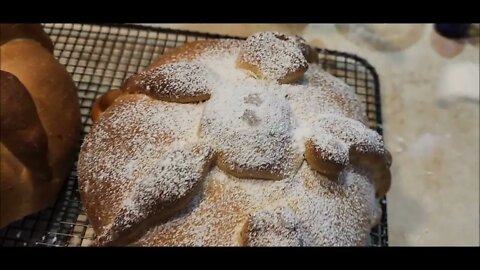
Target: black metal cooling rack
[(100, 57)]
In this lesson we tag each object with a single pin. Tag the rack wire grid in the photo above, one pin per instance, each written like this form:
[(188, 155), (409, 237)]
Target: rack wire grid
[(101, 57)]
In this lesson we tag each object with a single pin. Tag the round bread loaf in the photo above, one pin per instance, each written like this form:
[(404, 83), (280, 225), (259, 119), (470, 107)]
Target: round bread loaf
[(228, 143), (39, 122)]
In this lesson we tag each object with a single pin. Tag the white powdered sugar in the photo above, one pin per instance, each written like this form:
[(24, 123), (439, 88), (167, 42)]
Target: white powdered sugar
[(274, 54), (330, 147), (322, 93), (176, 80), (135, 158), (274, 227), (341, 130), (169, 180), (335, 214), (249, 126), (146, 126), (121, 148), (303, 210)]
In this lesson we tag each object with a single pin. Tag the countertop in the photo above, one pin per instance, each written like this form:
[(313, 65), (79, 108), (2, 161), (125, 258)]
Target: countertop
[(434, 199)]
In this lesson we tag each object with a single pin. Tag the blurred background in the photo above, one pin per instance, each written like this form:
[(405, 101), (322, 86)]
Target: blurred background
[(429, 89)]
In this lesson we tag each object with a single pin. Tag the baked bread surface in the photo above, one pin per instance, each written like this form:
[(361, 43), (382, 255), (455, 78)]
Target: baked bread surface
[(216, 144), (40, 122)]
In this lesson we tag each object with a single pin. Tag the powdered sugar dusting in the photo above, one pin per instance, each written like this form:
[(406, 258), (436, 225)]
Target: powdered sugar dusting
[(306, 209), (330, 147), (170, 179), (321, 93), (124, 144), (348, 132), (275, 54), (250, 136), (335, 213), (257, 125), (176, 80), (276, 227)]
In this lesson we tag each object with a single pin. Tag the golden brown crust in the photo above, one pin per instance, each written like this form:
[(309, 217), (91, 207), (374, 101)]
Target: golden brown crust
[(53, 92), (132, 85), (55, 97), (271, 227), (11, 31), (343, 141), (378, 165), (230, 218), (124, 235), (184, 53), (150, 196), (102, 103), (318, 159), (266, 172), (273, 56), (174, 82), (113, 188), (98, 215), (20, 128), (191, 50), (21, 194)]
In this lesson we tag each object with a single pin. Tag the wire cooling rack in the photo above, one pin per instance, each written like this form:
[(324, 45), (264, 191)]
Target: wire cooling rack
[(101, 57)]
